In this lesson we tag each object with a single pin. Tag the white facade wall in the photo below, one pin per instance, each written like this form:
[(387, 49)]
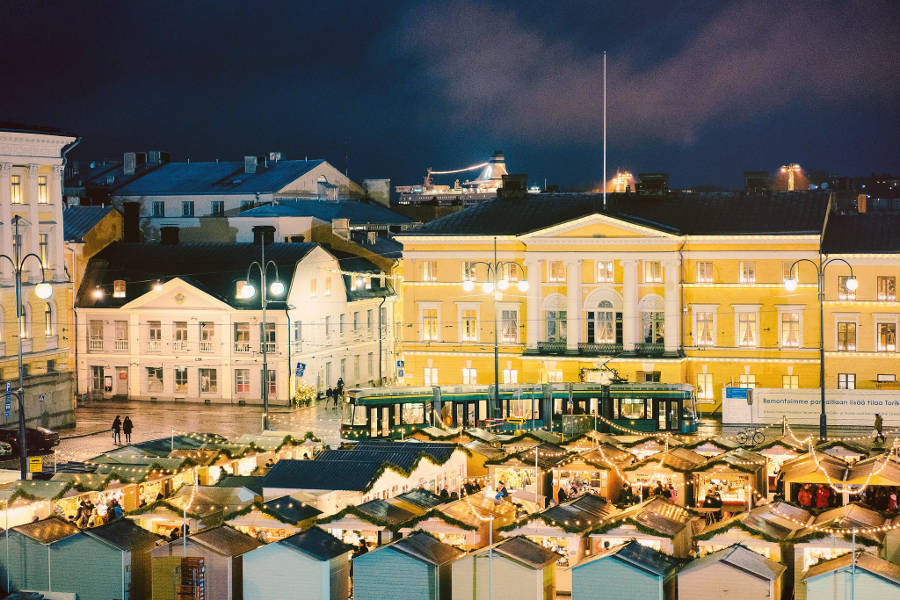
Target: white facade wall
[(123, 361)]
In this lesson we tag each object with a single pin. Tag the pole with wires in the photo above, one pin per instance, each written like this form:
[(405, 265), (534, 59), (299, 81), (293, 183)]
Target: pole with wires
[(604, 130)]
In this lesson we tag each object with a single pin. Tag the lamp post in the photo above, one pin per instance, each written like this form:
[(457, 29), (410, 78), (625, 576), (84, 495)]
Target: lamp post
[(790, 285), (790, 169), (247, 292), (43, 290), (495, 286)]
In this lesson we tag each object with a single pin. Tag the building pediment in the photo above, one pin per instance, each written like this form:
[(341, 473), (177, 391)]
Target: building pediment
[(176, 294), (597, 226)]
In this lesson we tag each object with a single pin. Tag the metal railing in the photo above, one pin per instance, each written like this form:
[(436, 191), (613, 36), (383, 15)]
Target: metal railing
[(649, 349), (551, 347), (607, 349)]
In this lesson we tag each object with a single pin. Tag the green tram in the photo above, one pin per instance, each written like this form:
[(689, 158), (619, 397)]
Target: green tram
[(567, 408)]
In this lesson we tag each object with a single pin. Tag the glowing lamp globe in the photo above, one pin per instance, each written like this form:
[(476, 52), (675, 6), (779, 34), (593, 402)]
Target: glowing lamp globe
[(852, 284), (487, 287), (790, 284), (522, 285), (468, 285), (43, 290), (503, 284), (248, 291), (277, 288)]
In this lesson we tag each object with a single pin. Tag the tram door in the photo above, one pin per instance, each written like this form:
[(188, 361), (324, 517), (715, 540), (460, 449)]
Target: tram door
[(667, 415), (385, 420)]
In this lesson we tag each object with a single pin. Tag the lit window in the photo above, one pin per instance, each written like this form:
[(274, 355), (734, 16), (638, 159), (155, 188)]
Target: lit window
[(706, 328), (509, 326), (119, 288), (886, 288), (786, 270), (312, 287), (748, 334), (181, 379), (187, 208), (704, 272), (845, 293), (430, 377), (790, 382), (510, 376), (48, 319), (15, 189), (217, 208), (790, 329), (846, 381), (747, 380), (605, 271), (43, 196), (430, 324), (705, 389), (556, 271), (158, 208), (748, 272), (556, 325), (154, 379), (653, 327), (208, 384), (44, 248), (653, 271), (468, 273), (328, 285), (887, 337), (846, 336), (469, 325), (429, 270), (469, 376)]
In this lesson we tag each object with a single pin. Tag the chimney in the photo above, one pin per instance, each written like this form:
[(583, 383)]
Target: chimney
[(263, 234), (861, 203), (275, 157), (372, 237), (514, 186), (250, 164), (168, 235), (341, 228), (156, 158), (130, 162), (132, 233)]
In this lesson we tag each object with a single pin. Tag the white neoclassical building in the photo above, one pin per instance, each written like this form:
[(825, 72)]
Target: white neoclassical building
[(164, 322)]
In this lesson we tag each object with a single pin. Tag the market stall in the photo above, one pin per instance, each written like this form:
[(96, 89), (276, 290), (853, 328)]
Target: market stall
[(595, 469), (778, 452), (738, 477), (846, 451), (274, 520), (645, 446), (730, 570), (461, 534), (809, 473), (713, 446), (656, 523), (673, 467), (762, 529), (528, 472)]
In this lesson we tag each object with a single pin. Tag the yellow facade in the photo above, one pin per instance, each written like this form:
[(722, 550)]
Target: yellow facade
[(711, 311)]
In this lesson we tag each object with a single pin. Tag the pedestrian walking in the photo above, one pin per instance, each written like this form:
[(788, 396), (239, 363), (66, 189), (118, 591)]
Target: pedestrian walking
[(339, 393), (879, 424), (329, 393), (127, 428), (117, 430)]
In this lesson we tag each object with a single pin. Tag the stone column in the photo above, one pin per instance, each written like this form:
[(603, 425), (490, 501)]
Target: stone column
[(573, 305), (672, 329), (533, 303), (6, 247), (630, 304), (57, 243), (32, 243)]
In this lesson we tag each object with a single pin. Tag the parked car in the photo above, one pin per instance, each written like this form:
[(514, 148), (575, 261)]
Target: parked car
[(38, 440)]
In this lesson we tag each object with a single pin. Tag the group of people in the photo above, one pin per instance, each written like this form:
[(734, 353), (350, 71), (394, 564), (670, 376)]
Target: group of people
[(119, 427), (94, 515), (335, 394), (713, 501), (820, 496), (881, 497), (627, 496)]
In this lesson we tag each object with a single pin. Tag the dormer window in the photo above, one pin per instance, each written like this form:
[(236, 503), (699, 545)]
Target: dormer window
[(119, 288)]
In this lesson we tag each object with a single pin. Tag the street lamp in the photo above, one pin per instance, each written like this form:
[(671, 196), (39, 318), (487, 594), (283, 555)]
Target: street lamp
[(495, 285), (790, 169), (43, 290), (790, 284), (247, 291)]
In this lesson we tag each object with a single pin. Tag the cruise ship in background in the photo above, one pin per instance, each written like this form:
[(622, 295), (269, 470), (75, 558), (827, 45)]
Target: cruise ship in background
[(465, 193)]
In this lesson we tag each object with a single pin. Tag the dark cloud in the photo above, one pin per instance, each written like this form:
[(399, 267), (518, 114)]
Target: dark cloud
[(750, 59)]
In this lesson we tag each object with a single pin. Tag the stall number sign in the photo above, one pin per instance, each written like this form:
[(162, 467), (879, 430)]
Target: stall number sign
[(35, 464)]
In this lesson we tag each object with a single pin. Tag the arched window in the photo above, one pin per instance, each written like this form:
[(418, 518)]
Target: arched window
[(49, 319), (555, 317), (603, 317), (653, 319), (25, 331)]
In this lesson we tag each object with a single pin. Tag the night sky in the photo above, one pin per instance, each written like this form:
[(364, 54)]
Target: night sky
[(702, 90)]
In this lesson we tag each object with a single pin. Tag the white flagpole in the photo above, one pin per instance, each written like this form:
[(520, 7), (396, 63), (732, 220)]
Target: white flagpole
[(604, 130)]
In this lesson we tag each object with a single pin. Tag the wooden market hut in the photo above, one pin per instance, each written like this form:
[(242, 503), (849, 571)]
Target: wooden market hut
[(868, 575), (310, 565), (251, 482), (479, 454), (417, 567), (30, 565), (656, 523), (881, 477), (528, 440), (733, 571), (522, 570), (562, 529), (778, 452), (815, 543), (25, 501), (812, 469), (110, 561), (846, 451), (624, 572), (482, 512), (221, 549), (739, 476), (675, 466), (713, 446), (274, 520), (645, 446), (528, 473), (596, 469), (454, 532), (590, 439)]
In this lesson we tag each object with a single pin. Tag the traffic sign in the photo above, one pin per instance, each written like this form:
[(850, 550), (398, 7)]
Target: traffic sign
[(400, 373), (8, 402), (400, 364), (41, 398), (301, 368), (35, 464)]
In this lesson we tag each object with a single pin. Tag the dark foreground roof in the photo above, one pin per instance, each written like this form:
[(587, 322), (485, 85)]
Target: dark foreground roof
[(321, 475), (743, 559), (317, 543), (47, 531), (326, 210), (868, 233), (225, 541), (676, 213), (28, 128), (214, 268), (290, 509), (125, 535), (525, 551), (78, 220), (251, 482), (641, 557), (427, 548)]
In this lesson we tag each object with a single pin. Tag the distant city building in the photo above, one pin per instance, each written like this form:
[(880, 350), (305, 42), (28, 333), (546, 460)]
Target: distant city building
[(94, 182)]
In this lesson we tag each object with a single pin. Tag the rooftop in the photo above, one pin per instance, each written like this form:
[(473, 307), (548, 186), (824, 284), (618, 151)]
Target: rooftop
[(47, 531), (317, 543), (638, 555), (125, 535), (525, 551), (326, 210), (424, 547), (741, 558), (79, 220), (868, 233), (864, 561), (224, 540)]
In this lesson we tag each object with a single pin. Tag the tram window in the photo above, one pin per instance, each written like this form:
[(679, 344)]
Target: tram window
[(347, 414), (360, 415), (413, 414), (632, 408), (522, 407)]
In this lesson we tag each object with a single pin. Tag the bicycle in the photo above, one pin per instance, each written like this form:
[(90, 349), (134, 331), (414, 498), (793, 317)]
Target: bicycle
[(750, 437)]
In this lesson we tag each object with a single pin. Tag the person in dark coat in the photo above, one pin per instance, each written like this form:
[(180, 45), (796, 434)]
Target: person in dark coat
[(117, 430), (879, 424), (127, 428)]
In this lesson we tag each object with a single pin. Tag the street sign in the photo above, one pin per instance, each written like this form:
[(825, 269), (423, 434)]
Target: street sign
[(35, 464), (736, 392), (8, 403), (301, 368), (400, 373), (41, 398), (400, 364)]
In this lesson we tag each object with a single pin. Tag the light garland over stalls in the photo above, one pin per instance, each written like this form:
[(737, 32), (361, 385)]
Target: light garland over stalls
[(863, 486), (833, 531)]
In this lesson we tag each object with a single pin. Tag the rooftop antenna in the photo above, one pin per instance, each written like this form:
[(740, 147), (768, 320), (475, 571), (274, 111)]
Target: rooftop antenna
[(604, 130)]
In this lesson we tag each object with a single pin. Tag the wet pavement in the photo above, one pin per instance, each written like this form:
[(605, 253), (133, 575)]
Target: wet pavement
[(92, 435)]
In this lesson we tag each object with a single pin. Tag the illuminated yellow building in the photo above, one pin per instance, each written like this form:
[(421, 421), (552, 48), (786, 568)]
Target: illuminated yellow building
[(675, 288)]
